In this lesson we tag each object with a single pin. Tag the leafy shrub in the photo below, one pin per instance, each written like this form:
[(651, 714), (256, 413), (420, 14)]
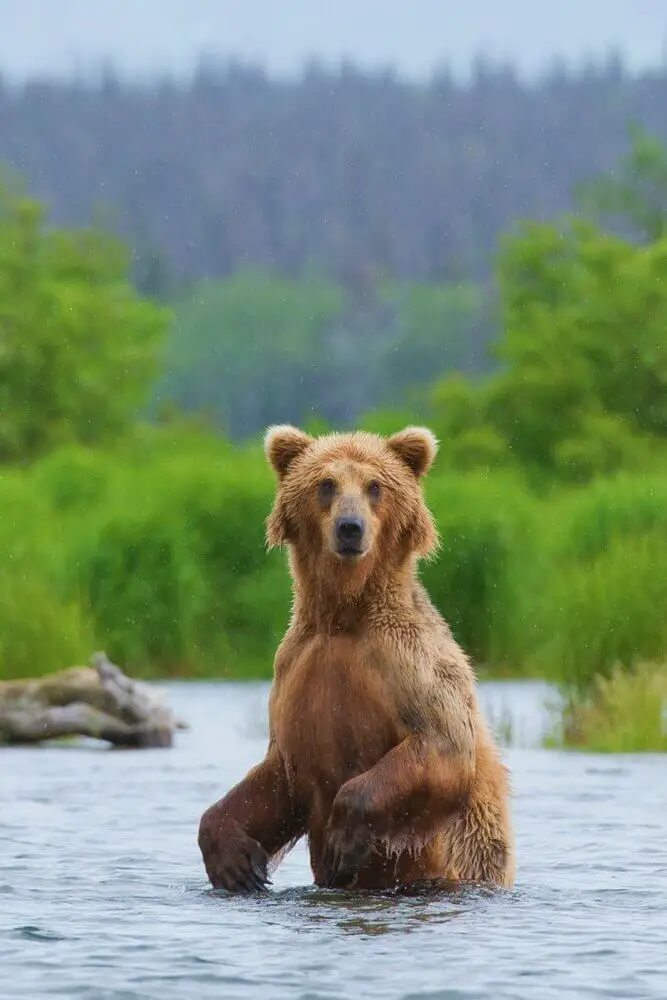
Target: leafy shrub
[(39, 630), (625, 507), (136, 573), (609, 609), (481, 520), (156, 552)]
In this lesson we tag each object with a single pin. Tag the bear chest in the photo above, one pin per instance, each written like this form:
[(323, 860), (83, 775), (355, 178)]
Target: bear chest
[(335, 716)]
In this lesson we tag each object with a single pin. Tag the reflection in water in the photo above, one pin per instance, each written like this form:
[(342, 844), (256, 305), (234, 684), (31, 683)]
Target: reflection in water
[(398, 911)]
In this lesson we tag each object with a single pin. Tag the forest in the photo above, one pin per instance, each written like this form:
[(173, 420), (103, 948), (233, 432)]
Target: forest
[(351, 176), (133, 489)]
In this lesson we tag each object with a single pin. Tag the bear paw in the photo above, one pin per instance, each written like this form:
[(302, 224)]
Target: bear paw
[(234, 861), (345, 853)]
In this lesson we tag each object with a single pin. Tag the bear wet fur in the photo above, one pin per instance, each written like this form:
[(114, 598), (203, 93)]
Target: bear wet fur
[(377, 748)]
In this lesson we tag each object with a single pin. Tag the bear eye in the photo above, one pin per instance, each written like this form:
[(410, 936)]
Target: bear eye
[(374, 490), (326, 489)]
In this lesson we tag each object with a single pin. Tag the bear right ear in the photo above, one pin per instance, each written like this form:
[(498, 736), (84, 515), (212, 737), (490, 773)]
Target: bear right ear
[(282, 444)]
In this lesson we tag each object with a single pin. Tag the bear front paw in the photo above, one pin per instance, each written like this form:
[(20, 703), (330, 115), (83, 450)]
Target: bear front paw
[(345, 853), (233, 860)]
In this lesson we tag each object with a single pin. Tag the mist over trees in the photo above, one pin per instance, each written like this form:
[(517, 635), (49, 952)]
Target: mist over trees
[(349, 175)]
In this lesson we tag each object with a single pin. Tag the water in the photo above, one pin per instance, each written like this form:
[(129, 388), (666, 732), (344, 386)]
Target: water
[(103, 895)]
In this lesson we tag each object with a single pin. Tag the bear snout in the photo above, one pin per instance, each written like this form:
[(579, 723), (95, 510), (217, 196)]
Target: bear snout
[(349, 533)]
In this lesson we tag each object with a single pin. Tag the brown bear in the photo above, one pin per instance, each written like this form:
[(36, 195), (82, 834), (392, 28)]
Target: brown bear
[(377, 749)]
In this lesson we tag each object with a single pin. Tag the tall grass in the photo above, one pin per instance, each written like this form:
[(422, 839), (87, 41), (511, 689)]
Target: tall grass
[(613, 608), (604, 596), (155, 551), (620, 508), (171, 565), (40, 629), (486, 563), (625, 712)]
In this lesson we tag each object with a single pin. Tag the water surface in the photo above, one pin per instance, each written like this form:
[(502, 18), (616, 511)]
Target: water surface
[(103, 895)]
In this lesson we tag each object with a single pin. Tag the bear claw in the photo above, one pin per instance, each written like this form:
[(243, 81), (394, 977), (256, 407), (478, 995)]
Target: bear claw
[(342, 860)]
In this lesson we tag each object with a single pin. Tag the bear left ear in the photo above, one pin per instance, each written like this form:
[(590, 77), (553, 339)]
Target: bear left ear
[(282, 444), (416, 446)]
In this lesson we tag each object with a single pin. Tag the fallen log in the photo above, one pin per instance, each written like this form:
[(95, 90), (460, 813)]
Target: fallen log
[(98, 701)]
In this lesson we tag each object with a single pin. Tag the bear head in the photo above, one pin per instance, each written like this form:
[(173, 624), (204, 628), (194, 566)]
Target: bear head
[(352, 502)]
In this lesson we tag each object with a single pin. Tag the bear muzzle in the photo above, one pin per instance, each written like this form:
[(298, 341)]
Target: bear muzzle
[(349, 534)]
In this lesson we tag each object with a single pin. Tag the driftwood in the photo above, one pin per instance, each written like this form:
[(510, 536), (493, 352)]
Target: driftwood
[(98, 701)]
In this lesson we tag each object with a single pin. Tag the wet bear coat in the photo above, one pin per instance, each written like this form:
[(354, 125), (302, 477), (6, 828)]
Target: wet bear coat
[(377, 750)]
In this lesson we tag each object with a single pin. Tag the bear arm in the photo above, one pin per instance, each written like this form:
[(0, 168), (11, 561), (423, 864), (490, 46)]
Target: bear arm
[(256, 820), (402, 801), (410, 792)]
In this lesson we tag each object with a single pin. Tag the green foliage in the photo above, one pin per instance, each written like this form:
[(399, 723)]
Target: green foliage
[(155, 551), (621, 713), (77, 347), (39, 629), (603, 445), (386, 422), (171, 566), (225, 508), (585, 319), (582, 391), (602, 586), (438, 329), (73, 478), (138, 579), (623, 508), (609, 609), (483, 521), (40, 633), (458, 413)]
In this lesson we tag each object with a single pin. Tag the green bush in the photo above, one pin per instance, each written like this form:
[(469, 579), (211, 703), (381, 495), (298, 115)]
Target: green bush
[(625, 507), (39, 629), (171, 562), (608, 609), (156, 552), (136, 573), (484, 523), (73, 478), (39, 632), (79, 346), (224, 507)]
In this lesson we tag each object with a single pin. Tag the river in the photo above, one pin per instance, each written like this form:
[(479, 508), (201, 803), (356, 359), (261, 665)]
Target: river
[(103, 895)]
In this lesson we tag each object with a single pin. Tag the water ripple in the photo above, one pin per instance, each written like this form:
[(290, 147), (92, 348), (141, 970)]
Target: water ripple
[(104, 896)]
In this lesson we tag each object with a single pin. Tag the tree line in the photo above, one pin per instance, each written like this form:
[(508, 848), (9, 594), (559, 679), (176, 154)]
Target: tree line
[(352, 175)]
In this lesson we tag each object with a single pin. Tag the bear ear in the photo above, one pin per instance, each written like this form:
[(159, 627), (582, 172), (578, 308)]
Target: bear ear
[(282, 444), (416, 446)]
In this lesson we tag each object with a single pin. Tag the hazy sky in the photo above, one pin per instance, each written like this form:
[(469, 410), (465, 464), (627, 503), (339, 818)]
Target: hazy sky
[(66, 36)]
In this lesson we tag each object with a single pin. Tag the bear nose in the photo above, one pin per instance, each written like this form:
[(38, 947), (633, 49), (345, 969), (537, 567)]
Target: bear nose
[(349, 530)]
